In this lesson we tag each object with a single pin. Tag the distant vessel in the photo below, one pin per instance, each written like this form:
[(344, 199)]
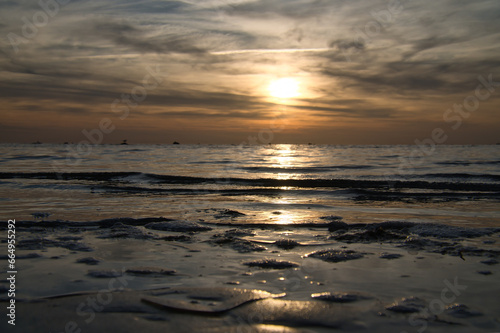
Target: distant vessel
[(176, 143), (37, 143), (124, 142)]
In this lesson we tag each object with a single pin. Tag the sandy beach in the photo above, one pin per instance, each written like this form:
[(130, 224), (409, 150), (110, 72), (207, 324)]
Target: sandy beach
[(158, 275)]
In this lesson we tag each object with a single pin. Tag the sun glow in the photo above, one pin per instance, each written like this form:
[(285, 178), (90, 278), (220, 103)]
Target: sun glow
[(284, 88)]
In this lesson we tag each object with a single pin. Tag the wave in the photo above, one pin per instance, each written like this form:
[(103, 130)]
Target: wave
[(358, 195), (215, 162), (305, 169), (463, 176), (396, 184), (412, 234), (466, 163), (34, 157)]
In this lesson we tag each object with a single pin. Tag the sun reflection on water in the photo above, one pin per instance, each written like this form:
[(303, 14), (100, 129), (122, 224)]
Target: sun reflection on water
[(284, 158), (285, 218)]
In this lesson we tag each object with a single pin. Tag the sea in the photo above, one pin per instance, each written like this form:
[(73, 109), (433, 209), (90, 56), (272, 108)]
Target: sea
[(282, 184)]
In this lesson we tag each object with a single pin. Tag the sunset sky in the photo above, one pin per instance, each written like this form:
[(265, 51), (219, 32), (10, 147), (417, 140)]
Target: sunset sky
[(224, 71)]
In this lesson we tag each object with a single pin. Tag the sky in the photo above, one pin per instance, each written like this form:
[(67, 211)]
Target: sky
[(206, 71)]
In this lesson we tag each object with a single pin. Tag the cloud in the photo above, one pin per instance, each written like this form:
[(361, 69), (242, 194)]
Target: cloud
[(137, 39), (263, 51), (216, 57), (296, 9)]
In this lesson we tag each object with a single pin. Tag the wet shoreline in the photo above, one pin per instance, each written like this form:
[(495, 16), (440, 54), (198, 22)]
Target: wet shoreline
[(376, 275)]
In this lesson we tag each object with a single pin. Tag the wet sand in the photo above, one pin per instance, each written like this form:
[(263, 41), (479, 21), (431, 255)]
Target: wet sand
[(161, 275)]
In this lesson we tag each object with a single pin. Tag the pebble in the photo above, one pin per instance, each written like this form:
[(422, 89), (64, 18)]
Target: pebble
[(120, 230), (461, 311), (150, 270), (390, 256), (490, 262), (88, 261), (233, 283), (339, 297), (332, 255), (271, 263), (286, 243), (228, 213), (177, 226), (407, 305), (244, 246)]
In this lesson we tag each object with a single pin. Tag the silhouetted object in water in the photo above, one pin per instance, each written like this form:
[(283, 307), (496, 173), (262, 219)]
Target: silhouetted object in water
[(40, 215), (37, 143), (176, 143), (124, 142)]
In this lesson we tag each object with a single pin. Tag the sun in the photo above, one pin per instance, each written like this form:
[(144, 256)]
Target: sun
[(284, 88)]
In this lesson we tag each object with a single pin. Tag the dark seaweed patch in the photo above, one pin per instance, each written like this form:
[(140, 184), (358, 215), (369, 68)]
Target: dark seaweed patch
[(271, 263), (332, 255)]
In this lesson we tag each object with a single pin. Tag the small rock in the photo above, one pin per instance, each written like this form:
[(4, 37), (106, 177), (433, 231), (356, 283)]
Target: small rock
[(238, 233), (88, 261), (461, 311), (233, 282), (180, 238), (149, 270), (120, 230), (390, 256), (286, 244), (339, 297), (407, 305), (271, 263), (332, 255), (228, 213), (238, 244), (337, 225), (331, 218), (244, 246), (177, 226), (490, 262)]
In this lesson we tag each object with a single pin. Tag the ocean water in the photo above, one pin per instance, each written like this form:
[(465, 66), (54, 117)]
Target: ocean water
[(279, 184)]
